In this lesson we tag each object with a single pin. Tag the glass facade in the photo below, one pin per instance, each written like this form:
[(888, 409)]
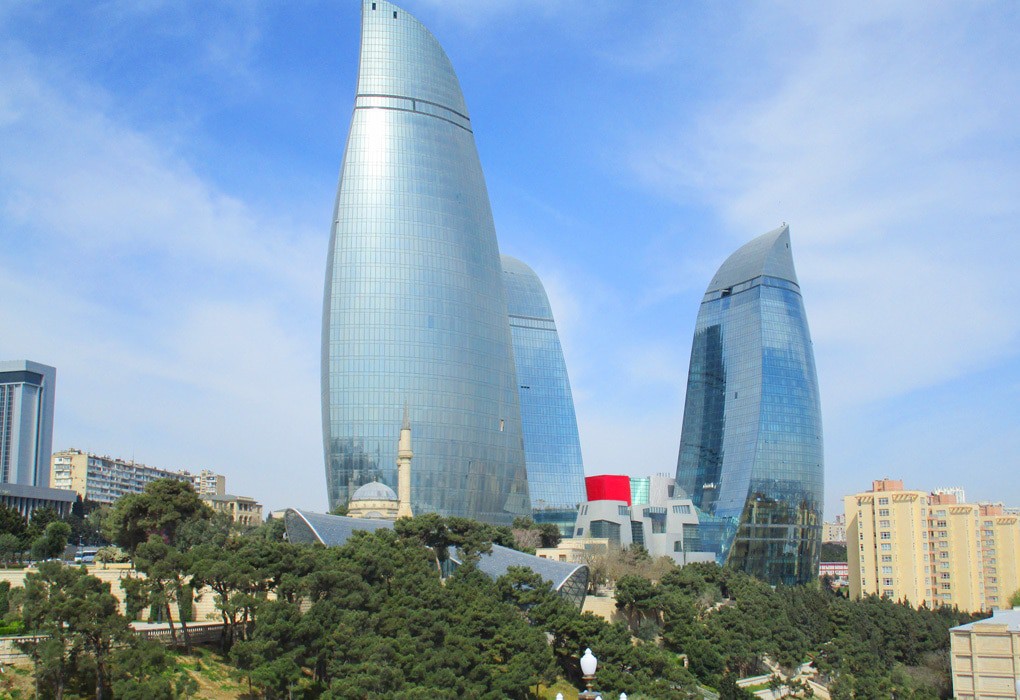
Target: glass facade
[(552, 449), (414, 308), (751, 445)]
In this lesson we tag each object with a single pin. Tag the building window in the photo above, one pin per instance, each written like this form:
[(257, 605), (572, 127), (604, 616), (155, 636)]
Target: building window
[(682, 510), (883, 513), (887, 582), (886, 547), (606, 529), (886, 557), (886, 536), (883, 501), (580, 531), (886, 569), (622, 510)]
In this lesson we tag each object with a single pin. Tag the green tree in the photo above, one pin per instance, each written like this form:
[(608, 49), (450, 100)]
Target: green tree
[(1014, 600), (635, 595), (165, 569), (52, 542), (10, 547), (11, 522), (81, 623), (729, 690), (110, 555), (164, 507)]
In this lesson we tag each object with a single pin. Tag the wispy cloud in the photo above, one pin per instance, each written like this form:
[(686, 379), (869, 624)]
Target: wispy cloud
[(892, 156), (183, 320)]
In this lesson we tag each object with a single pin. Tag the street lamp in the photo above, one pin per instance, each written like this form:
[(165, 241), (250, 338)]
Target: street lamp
[(588, 665)]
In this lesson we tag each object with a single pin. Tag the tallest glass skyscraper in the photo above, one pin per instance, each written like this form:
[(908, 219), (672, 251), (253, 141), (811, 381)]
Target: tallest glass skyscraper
[(415, 310), (751, 446)]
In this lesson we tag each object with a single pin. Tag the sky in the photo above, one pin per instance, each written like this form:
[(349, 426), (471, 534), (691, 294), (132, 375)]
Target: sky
[(168, 169)]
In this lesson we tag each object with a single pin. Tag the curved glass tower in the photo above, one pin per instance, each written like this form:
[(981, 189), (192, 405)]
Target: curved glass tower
[(414, 311), (552, 449), (751, 446)]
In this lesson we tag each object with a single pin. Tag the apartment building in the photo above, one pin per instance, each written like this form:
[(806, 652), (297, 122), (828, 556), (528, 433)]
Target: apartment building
[(886, 532), (1000, 548), (209, 483), (835, 531), (928, 548), (104, 479)]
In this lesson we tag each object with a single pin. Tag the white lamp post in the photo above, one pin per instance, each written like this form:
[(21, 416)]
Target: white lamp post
[(588, 665)]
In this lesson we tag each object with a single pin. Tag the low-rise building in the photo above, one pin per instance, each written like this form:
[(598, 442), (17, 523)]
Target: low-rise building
[(986, 657), (242, 509), (837, 571), (650, 512)]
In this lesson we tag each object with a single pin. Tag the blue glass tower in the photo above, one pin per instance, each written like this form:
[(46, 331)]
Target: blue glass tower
[(415, 311), (751, 445), (552, 449)]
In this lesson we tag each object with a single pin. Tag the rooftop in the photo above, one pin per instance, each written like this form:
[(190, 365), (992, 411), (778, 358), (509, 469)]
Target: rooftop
[(1009, 618)]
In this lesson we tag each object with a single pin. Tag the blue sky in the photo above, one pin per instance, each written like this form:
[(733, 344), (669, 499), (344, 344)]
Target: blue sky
[(167, 174)]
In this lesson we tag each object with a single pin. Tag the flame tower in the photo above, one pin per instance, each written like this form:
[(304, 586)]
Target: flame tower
[(414, 308)]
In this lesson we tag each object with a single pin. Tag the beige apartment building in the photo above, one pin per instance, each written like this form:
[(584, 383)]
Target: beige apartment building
[(1000, 548), (926, 548), (104, 479), (243, 510), (835, 531)]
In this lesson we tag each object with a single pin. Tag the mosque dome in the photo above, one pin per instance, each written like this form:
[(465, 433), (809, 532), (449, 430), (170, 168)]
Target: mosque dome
[(374, 491)]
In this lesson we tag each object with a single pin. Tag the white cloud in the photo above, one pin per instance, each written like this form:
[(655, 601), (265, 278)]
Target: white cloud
[(183, 321), (888, 152)]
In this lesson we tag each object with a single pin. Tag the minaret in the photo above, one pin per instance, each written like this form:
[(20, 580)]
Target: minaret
[(404, 455)]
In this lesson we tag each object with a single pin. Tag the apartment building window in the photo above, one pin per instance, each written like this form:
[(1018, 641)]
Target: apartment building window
[(883, 513), (884, 523), (945, 586), (883, 501), (682, 510), (886, 536), (886, 547), (886, 569), (944, 577), (944, 565), (887, 582), (886, 557), (943, 555)]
